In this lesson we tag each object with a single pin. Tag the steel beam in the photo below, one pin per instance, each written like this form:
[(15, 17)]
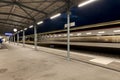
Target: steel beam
[(13, 21), (42, 1), (12, 24), (4, 13), (5, 5), (25, 6), (26, 12)]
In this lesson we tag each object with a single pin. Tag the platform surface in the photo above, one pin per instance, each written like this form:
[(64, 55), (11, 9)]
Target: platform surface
[(18, 63)]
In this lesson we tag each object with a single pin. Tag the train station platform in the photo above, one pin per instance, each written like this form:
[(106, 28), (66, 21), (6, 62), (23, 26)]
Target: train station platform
[(24, 63)]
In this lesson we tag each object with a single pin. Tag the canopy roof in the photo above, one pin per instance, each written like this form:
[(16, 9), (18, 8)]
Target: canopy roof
[(22, 13)]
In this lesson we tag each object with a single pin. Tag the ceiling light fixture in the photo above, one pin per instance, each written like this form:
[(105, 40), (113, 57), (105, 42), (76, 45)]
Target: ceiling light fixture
[(31, 26), (57, 15), (85, 3), (40, 22), (15, 30)]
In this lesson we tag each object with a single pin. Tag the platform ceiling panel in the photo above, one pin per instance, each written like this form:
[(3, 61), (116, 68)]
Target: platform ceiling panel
[(24, 12)]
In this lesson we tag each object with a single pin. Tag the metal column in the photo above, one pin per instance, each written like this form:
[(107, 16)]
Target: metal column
[(18, 38), (35, 36), (68, 35), (23, 38), (14, 39)]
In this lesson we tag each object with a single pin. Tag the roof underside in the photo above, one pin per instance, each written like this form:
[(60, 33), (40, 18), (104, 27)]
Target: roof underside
[(22, 13)]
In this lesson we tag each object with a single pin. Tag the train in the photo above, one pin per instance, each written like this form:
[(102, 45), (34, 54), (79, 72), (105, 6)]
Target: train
[(110, 35), (107, 32)]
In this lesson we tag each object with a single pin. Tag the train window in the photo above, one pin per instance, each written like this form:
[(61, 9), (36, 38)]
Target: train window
[(55, 35), (59, 35), (89, 33), (65, 34), (71, 34), (78, 34), (51, 36), (101, 32), (116, 31)]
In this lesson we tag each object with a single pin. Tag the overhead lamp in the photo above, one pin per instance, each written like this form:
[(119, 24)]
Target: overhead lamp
[(25, 28), (57, 15), (40, 22), (85, 3), (31, 26), (116, 31), (15, 30)]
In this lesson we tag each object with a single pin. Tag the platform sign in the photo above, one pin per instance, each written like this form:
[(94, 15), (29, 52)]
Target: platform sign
[(71, 24), (8, 34)]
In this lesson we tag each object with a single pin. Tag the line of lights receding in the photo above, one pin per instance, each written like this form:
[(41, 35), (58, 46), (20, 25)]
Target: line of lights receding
[(57, 15), (116, 31), (85, 3)]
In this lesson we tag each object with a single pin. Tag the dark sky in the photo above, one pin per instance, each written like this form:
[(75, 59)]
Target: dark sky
[(96, 12)]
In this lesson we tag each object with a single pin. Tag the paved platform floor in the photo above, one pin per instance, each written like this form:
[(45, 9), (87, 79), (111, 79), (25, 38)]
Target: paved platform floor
[(18, 63)]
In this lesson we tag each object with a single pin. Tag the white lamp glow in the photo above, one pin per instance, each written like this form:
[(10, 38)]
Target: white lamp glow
[(57, 15), (40, 22), (85, 3), (31, 26), (15, 30), (25, 29)]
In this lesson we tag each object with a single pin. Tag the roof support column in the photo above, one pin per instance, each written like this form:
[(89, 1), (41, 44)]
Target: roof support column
[(14, 39), (17, 38), (68, 35), (68, 30), (10, 39), (35, 36), (23, 38)]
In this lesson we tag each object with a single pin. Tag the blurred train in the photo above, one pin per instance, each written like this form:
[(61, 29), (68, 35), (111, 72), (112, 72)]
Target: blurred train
[(110, 35), (107, 32)]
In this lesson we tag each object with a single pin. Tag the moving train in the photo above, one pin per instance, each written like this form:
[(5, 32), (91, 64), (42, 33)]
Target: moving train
[(107, 32), (110, 35)]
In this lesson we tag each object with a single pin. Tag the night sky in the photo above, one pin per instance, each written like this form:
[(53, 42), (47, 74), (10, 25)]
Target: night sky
[(96, 12)]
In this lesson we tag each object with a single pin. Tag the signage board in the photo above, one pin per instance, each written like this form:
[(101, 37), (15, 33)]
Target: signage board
[(8, 34)]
